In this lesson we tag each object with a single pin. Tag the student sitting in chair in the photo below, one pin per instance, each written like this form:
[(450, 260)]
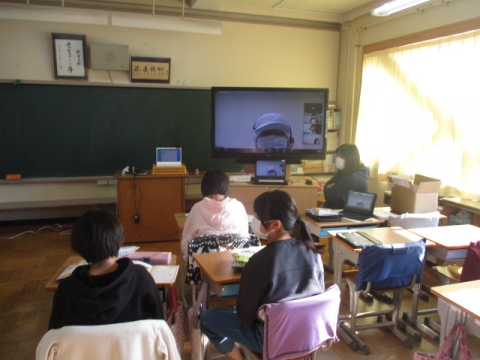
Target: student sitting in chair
[(288, 268), (109, 290), (216, 213), (351, 174)]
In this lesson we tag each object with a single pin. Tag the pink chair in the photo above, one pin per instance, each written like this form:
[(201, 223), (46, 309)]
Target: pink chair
[(298, 328)]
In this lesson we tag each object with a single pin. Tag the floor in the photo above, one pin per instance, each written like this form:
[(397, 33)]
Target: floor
[(30, 253)]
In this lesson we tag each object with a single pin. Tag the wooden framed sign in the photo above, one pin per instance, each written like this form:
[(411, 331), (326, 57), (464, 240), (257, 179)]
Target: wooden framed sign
[(69, 56), (150, 69)]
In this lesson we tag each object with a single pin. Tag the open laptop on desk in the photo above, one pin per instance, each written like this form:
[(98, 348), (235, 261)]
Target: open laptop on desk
[(359, 205), (270, 172)]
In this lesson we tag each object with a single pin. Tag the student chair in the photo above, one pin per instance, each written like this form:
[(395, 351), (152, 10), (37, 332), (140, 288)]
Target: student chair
[(212, 243), (413, 221), (470, 270), (143, 339), (392, 267), (298, 328)]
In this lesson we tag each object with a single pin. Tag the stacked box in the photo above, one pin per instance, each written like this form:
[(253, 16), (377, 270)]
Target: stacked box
[(421, 196)]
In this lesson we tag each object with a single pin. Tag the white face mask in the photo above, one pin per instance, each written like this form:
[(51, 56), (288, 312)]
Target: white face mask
[(255, 225), (340, 163)]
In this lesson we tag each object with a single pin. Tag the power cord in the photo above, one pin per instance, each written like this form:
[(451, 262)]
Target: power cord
[(55, 227)]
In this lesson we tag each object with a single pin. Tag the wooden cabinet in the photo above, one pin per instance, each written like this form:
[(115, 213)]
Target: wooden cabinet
[(453, 206), (304, 195), (146, 204)]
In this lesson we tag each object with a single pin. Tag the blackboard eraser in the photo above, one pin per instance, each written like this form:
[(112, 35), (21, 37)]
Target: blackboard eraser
[(13, 177)]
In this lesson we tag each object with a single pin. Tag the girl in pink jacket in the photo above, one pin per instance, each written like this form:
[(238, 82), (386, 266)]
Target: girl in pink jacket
[(216, 213)]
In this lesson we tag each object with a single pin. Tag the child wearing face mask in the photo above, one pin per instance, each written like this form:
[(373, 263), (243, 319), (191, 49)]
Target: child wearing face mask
[(288, 267), (351, 174)]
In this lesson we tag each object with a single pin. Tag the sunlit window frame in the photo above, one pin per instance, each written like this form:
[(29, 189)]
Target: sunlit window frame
[(436, 140)]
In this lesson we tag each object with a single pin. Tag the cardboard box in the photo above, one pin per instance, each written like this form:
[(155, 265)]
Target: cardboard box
[(421, 196)]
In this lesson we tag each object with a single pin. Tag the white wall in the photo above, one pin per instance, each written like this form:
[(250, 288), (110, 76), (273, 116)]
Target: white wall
[(244, 55)]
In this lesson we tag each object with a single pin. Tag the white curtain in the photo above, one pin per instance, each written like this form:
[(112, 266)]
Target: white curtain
[(419, 111)]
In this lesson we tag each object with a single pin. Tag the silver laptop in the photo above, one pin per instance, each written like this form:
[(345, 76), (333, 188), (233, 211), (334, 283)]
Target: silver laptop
[(270, 172), (359, 205)]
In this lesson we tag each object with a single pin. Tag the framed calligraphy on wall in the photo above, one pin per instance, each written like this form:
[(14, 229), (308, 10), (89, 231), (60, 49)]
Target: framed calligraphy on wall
[(150, 69), (69, 56)]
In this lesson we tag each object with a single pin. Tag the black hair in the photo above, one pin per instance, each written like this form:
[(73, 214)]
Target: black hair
[(279, 205), (215, 182), (97, 235), (350, 153)]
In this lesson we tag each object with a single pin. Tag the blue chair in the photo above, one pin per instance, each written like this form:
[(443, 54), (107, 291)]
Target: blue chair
[(387, 267)]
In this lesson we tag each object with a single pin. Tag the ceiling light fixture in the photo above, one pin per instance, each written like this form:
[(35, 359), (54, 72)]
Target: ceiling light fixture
[(395, 6)]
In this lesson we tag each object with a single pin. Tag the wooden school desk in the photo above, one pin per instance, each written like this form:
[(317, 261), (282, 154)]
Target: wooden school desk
[(218, 271), (52, 284), (180, 221), (451, 243), (343, 251), (463, 296)]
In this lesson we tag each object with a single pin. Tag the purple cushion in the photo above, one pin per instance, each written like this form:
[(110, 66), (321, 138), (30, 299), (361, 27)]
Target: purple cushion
[(295, 328)]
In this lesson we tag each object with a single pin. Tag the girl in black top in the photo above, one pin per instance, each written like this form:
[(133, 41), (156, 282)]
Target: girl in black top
[(108, 290), (351, 174), (289, 267)]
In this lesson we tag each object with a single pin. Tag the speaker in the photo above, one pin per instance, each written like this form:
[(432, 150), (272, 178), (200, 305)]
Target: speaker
[(109, 57)]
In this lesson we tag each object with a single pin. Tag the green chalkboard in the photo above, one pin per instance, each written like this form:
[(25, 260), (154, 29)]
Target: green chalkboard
[(69, 131)]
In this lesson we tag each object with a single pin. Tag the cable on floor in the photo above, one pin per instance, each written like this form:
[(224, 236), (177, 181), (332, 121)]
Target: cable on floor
[(55, 227)]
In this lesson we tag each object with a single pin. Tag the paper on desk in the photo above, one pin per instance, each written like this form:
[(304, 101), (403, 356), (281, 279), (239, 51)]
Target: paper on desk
[(355, 220), (382, 213), (69, 270), (164, 274), (125, 250)]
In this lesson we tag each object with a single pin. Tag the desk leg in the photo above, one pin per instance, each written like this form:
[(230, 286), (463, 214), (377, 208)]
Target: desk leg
[(331, 261), (413, 317), (340, 255)]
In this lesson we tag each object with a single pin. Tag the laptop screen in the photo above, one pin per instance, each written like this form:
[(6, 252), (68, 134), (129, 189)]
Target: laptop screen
[(360, 202), (270, 170), (169, 156)]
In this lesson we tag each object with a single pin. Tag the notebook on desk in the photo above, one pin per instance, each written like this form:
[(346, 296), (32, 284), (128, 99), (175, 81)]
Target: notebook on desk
[(270, 172), (359, 205)]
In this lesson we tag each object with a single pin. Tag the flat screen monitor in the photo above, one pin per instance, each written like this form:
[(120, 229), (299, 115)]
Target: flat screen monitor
[(258, 123)]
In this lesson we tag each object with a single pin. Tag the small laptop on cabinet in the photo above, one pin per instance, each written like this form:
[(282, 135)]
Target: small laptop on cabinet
[(359, 205), (270, 172), (169, 156)]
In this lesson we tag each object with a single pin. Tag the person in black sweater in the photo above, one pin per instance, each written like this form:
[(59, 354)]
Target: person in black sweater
[(108, 290), (289, 267), (351, 174)]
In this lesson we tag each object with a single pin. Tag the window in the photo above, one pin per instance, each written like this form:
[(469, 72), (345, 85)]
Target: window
[(421, 103)]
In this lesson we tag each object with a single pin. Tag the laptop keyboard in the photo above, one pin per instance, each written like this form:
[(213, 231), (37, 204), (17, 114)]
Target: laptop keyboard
[(355, 216), (358, 239)]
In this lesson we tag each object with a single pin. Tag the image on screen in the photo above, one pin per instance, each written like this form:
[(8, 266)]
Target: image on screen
[(256, 123)]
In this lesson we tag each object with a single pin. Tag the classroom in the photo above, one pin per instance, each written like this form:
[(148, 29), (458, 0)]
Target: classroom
[(67, 159)]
